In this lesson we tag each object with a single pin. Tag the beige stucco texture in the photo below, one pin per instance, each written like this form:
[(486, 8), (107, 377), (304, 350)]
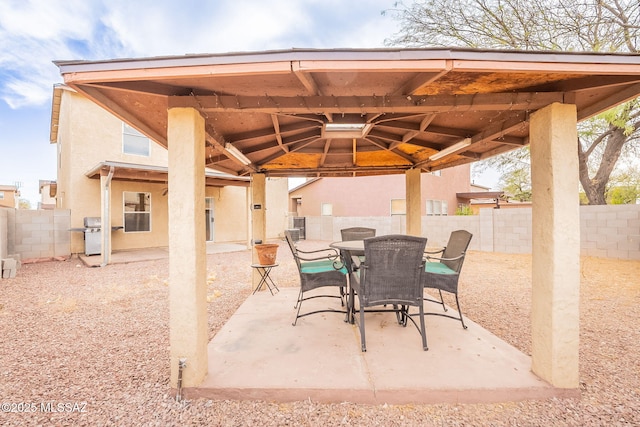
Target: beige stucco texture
[(187, 251), (556, 245)]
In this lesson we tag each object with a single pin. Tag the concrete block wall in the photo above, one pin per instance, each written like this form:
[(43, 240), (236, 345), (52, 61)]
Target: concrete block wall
[(611, 231), (36, 234), (4, 250), (438, 228), (512, 230), (383, 225)]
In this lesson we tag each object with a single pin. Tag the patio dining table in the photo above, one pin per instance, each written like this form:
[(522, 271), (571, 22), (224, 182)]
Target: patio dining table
[(346, 247)]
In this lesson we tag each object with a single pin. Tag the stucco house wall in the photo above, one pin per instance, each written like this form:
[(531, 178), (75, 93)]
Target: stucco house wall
[(373, 195), (8, 196), (88, 135)]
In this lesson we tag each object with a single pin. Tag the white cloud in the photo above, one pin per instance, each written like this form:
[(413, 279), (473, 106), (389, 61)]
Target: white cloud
[(33, 33)]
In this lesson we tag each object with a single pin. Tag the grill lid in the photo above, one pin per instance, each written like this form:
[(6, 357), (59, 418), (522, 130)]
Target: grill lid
[(92, 222)]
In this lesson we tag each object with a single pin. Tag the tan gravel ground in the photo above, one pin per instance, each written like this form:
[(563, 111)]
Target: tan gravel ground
[(94, 341)]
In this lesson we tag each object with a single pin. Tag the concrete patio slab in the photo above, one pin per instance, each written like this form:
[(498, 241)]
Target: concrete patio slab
[(149, 254), (259, 355)]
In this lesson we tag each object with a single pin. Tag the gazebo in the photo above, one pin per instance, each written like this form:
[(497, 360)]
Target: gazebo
[(305, 112)]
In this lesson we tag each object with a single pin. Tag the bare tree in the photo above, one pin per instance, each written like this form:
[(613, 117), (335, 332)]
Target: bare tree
[(566, 25)]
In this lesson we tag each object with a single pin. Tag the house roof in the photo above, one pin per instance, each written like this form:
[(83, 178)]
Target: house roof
[(480, 195), (159, 174), (277, 107)]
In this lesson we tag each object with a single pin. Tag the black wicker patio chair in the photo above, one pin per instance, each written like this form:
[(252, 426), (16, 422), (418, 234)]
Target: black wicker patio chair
[(390, 275), (317, 269), (442, 273), (357, 233)]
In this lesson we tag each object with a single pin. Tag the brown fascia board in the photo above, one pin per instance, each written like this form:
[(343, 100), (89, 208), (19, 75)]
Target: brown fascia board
[(95, 171), (463, 59)]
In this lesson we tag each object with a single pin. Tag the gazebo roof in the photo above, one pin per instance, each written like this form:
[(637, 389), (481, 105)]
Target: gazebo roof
[(305, 112)]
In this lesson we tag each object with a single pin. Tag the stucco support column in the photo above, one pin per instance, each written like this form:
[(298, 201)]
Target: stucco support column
[(258, 217), (556, 245), (413, 202), (187, 247), (105, 214), (247, 213)]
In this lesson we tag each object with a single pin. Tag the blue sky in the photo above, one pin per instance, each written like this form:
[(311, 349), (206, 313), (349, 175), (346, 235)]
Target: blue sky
[(33, 33)]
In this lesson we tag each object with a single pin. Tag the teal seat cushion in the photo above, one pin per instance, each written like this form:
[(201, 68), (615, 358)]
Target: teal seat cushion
[(437, 268), (323, 266)]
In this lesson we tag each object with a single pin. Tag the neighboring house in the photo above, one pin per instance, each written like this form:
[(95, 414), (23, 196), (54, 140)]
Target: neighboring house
[(9, 196), (103, 163), (47, 194), (381, 195)]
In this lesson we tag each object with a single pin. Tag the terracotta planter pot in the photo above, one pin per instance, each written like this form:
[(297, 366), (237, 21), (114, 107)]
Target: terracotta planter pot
[(266, 253)]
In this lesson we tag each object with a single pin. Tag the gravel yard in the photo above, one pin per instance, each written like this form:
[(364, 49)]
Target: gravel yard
[(92, 344)]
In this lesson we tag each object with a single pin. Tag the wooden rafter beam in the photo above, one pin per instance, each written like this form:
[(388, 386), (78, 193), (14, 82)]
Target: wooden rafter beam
[(245, 137), (421, 80), (385, 146), (325, 150), (276, 128), (121, 112), (424, 124), (295, 147), (369, 104), (305, 78), (336, 170), (621, 96)]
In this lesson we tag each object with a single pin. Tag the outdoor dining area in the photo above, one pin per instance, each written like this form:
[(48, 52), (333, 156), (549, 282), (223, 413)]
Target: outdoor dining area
[(260, 354), (361, 112)]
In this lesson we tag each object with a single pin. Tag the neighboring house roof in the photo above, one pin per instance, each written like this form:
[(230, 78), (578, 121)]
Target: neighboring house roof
[(495, 196), (159, 174), (304, 184), (480, 195)]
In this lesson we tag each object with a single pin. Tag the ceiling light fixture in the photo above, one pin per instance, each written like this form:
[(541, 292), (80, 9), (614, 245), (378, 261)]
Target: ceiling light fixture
[(345, 130), (237, 154), (451, 149)]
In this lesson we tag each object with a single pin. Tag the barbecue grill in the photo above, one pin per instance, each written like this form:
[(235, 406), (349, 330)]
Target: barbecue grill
[(93, 235)]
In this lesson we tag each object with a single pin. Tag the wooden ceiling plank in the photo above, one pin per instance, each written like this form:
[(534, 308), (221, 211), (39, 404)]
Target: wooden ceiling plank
[(149, 87), (392, 137), (245, 137), (122, 113), (585, 83)]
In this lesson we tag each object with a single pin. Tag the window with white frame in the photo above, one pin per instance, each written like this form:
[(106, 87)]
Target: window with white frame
[(1, 195), (137, 212), (437, 207), (133, 142), (398, 207), (326, 209)]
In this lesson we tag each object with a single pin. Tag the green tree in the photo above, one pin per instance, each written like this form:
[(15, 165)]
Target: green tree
[(24, 204), (624, 187), (517, 183), (567, 25)]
